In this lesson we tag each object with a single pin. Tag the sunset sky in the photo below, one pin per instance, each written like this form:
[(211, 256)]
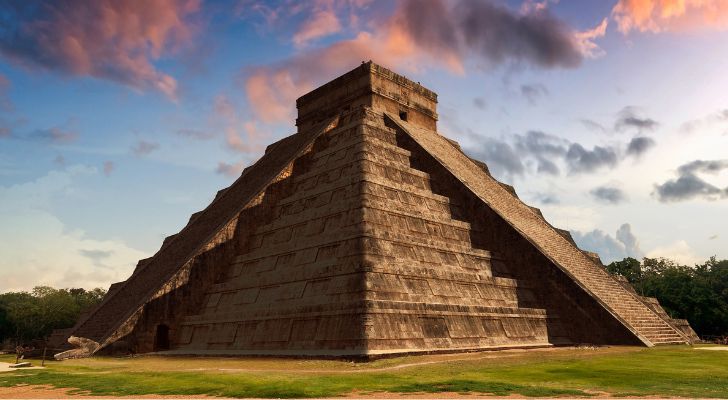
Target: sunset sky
[(119, 119)]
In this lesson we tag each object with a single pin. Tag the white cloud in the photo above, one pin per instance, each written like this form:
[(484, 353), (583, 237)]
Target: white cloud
[(679, 251), (570, 217), (610, 248), (37, 249)]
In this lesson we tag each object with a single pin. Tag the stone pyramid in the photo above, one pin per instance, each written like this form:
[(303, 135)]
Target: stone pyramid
[(364, 234)]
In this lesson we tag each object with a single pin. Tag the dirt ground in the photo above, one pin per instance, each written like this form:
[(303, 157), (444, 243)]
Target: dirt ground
[(49, 392)]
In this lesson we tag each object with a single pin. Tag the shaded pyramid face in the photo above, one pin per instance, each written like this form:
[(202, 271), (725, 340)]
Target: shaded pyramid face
[(368, 233)]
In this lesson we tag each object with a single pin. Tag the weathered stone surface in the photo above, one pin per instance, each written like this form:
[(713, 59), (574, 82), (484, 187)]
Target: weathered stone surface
[(367, 233), (83, 348)]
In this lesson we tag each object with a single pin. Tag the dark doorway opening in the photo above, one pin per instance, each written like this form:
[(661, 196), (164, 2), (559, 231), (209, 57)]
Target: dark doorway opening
[(161, 338), (403, 115)]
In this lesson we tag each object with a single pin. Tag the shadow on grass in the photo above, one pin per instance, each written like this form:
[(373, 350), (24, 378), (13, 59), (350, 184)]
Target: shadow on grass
[(494, 388)]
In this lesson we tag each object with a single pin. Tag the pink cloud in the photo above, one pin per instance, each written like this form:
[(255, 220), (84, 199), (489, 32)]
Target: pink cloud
[(670, 15), (5, 103), (586, 39), (443, 35), (108, 168), (240, 135), (57, 135), (143, 147), (223, 107), (195, 134), (244, 137), (106, 39), (321, 23), (232, 170)]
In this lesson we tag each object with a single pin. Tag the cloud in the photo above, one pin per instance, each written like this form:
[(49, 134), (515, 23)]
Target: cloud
[(502, 159), (242, 136), (534, 92), (231, 170), (480, 103), (105, 39), (38, 248), (546, 198), (608, 194), (718, 117), (628, 239), (581, 160), (610, 248), (321, 23), (143, 147), (628, 118), (56, 135), (593, 125), (108, 168), (530, 6), (195, 134), (497, 34), (688, 185), (543, 148), (679, 251), (223, 107), (586, 39), (640, 145), (248, 141), (59, 161), (544, 153), (440, 34), (97, 257), (5, 103), (670, 15)]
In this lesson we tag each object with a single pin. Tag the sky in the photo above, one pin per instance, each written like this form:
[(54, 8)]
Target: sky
[(120, 119)]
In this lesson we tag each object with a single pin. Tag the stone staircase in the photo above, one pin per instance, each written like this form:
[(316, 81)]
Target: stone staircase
[(201, 231), (626, 304), (634, 313)]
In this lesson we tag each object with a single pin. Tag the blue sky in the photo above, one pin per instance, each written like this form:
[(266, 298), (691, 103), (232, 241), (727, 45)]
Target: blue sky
[(120, 119)]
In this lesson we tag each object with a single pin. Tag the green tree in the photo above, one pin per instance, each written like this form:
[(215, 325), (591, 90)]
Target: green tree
[(34, 315), (698, 294), (629, 268)]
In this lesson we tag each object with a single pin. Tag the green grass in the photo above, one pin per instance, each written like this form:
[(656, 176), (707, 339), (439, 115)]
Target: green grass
[(664, 371)]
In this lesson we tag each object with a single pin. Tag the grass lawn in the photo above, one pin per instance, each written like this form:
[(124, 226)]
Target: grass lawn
[(619, 371)]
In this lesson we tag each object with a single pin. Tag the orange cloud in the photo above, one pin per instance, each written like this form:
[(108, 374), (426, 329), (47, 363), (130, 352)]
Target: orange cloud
[(670, 15), (106, 39)]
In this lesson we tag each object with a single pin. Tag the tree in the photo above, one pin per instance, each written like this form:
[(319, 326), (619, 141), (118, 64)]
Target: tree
[(34, 315), (628, 268), (698, 294), (6, 327)]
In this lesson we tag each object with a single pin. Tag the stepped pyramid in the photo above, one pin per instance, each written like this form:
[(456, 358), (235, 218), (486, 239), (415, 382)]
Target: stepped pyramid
[(367, 233)]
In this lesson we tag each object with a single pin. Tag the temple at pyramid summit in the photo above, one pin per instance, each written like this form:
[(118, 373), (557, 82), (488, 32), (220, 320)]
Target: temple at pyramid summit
[(365, 234)]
